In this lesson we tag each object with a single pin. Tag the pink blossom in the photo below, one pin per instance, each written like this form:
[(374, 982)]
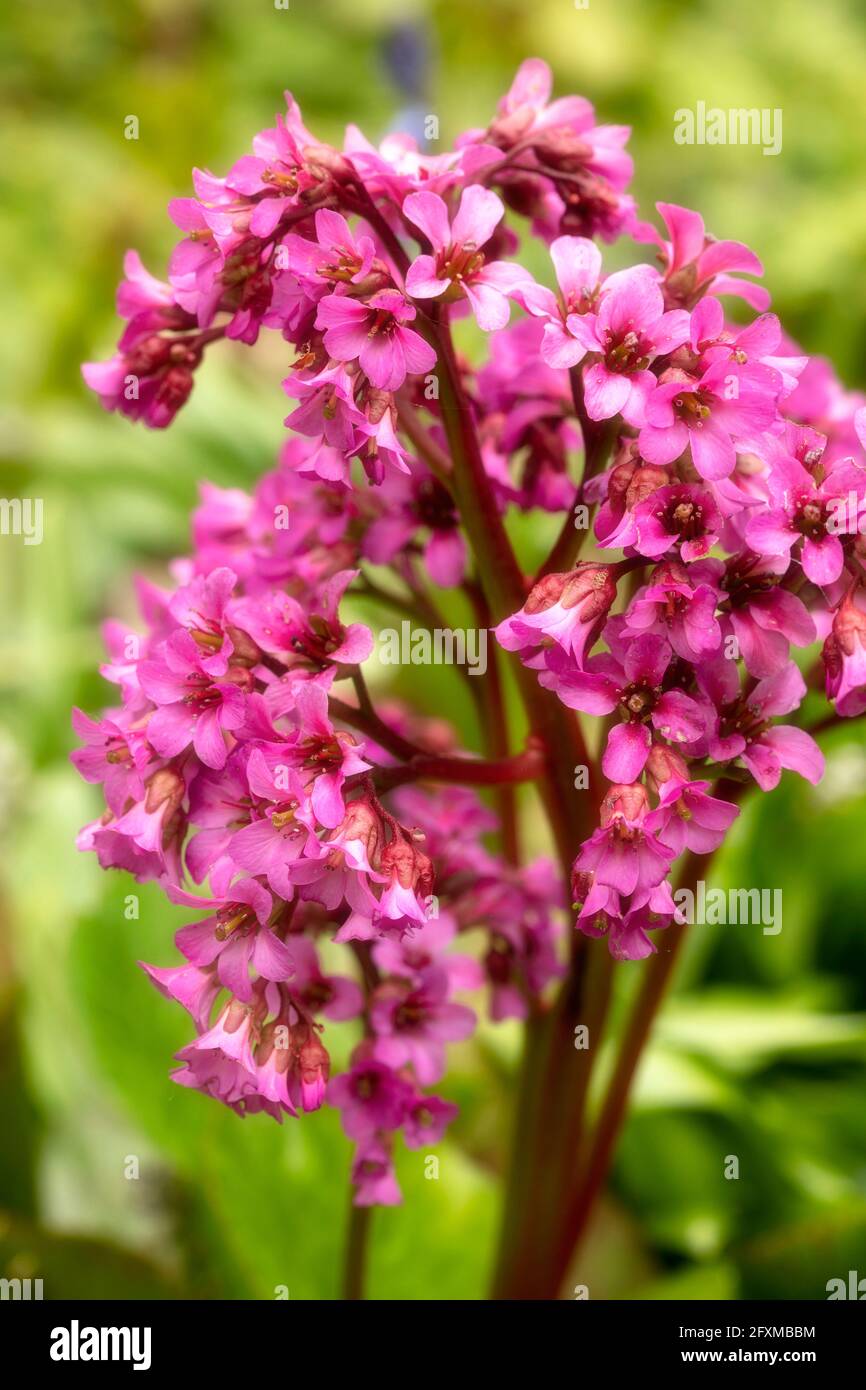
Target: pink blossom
[(633, 684), (697, 264), (812, 512), (458, 266), (374, 332), (709, 415), (567, 608), (624, 854), (629, 329)]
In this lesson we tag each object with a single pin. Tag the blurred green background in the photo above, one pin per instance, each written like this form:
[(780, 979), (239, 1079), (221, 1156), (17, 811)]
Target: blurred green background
[(761, 1053)]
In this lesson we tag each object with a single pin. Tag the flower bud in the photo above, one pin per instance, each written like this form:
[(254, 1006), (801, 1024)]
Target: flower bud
[(629, 803)]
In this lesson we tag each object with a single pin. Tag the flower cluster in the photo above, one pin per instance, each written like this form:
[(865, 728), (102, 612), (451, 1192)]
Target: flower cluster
[(225, 763), (339, 847)]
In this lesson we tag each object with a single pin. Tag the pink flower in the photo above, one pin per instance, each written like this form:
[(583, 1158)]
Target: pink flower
[(709, 414), (688, 818), (277, 843), (373, 1176), (200, 608), (370, 1097), (679, 603), (332, 995), (696, 264), (336, 256), (577, 263), (624, 854), (192, 708), (374, 332), (236, 936), (457, 266), (744, 727), (415, 501), (765, 618), (195, 989), (602, 913), (310, 644), (252, 754), (568, 608), (629, 329), (632, 683), (812, 512), (845, 656), (426, 1120), (114, 755), (682, 516), (413, 1022), (557, 138)]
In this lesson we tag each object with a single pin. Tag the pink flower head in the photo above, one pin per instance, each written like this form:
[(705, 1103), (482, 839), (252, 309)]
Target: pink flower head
[(194, 988), (309, 644), (409, 882), (276, 843), (709, 414), (567, 608), (744, 727), (696, 264), (624, 854), (813, 512), (629, 329), (332, 995), (200, 607), (370, 1097), (680, 516), (192, 707), (420, 500), (625, 925), (427, 1119), (457, 266), (765, 618), (149, 382), (373, 1176), (336, 256), (557, 137), (577, 263), (680, 604), (375, 334), (633, 684), (412, 1022), (113, 754), (689, 818), (236, 936)]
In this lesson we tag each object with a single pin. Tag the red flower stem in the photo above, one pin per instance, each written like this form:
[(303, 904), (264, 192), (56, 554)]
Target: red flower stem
[(597, 441), (357, 1245), (579, 1206), (375, 728), (576, 1216), (505, 590), (359, 1220), (569, 812), (493, 720), (469, 772)]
